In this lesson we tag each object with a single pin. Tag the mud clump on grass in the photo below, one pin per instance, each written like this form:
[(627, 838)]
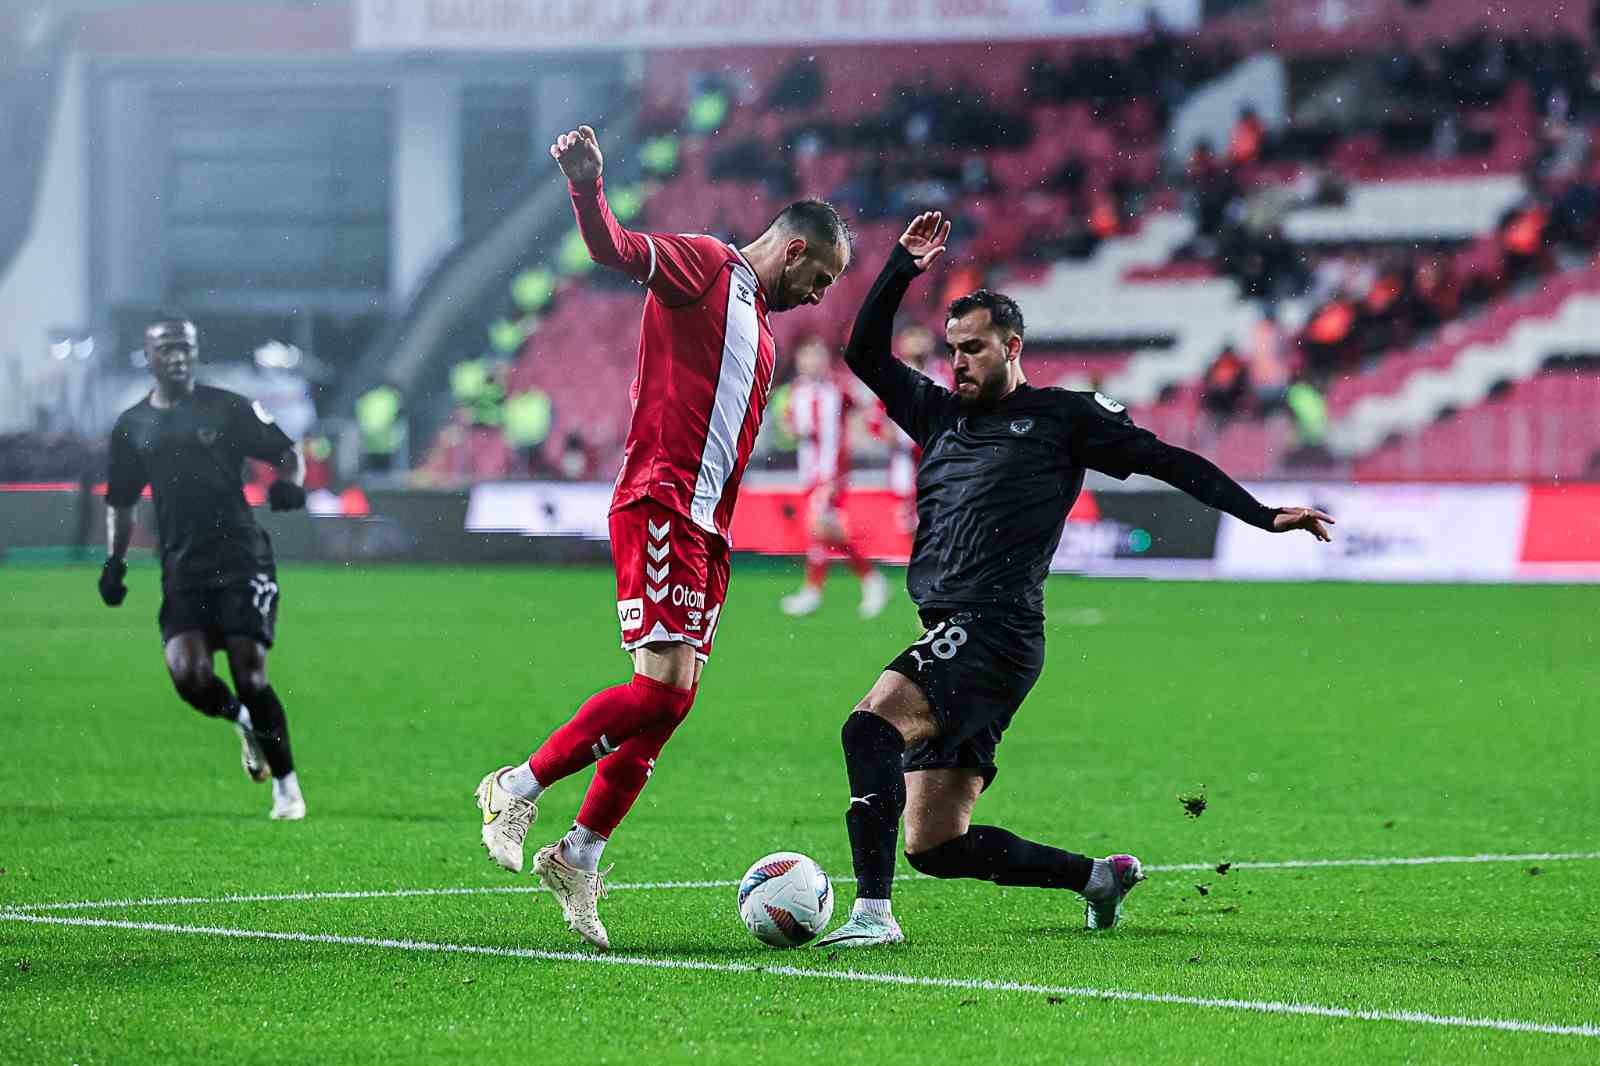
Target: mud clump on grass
[(1194, 803)]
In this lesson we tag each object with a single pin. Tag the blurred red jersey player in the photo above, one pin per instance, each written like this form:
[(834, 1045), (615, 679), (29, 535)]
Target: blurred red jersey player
[(818, 414), (913, 345), (705, 367)]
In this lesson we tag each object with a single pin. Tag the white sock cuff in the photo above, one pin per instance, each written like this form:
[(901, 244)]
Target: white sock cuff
[(870, 906), (582, 835), (519, 781)]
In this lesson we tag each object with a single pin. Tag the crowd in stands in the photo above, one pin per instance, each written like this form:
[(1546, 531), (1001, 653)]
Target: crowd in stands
[(1368, 301), (50, 457), (1049, 161)]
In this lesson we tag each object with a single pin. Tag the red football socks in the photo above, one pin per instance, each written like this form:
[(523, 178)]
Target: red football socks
[(605, 723), (620, 778)]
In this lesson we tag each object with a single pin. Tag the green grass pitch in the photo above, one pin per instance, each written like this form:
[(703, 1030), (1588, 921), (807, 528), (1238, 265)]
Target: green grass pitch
[(1324, 722)]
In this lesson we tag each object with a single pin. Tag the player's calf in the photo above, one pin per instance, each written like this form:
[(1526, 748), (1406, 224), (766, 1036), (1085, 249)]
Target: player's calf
[(270, 728), (988, 853), (198, 685)]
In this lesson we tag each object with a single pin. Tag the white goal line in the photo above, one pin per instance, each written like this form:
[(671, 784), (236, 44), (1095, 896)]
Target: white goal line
[(1313, 1010), (634, 886)]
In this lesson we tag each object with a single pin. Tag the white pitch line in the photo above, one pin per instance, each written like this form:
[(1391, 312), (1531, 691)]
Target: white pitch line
[(966, 984), (486, 890)]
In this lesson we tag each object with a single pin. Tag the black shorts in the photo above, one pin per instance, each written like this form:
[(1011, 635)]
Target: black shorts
[(976, 666), (244, 606)]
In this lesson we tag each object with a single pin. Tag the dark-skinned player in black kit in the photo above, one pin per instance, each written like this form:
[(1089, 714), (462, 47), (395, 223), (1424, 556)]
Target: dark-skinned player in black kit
[(219, 584), (1002, 463)]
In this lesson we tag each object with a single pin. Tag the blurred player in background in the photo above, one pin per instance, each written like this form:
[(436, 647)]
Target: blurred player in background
[(219, 584), (705, 367), (913, 345), (1003, 463), (819, 415)]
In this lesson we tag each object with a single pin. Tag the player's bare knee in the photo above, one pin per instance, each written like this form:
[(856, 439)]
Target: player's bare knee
[(250, 679), (900, 703), (191, 675)]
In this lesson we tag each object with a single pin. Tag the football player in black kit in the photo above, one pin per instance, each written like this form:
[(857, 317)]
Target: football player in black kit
[(219, 586), (1002, 463)]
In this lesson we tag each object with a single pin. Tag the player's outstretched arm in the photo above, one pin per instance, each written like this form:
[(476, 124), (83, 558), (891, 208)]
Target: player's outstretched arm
[(1206, 482), (287, 493), (868, 353)]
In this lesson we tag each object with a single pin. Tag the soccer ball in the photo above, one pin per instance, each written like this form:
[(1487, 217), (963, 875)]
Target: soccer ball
[(785, 899)]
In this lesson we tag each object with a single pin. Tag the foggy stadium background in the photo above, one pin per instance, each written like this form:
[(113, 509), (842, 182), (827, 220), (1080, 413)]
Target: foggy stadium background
[(1347, 249), (355, 204)]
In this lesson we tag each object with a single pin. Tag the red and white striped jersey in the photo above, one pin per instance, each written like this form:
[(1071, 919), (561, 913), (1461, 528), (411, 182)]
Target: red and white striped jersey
[(706, 357), (816, 415)]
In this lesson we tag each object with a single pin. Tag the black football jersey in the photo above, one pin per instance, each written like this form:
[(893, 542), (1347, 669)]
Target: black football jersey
[(995, 483), (192, 456)]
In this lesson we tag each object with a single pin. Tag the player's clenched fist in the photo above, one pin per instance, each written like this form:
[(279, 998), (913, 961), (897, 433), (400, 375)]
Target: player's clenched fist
[(579, 154), (112, 589)]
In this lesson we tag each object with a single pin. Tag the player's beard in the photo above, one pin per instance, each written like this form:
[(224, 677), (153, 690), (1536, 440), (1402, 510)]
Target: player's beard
[(987, 394)]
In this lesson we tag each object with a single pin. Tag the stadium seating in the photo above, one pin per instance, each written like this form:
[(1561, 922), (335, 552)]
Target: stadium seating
[(1146, 288)]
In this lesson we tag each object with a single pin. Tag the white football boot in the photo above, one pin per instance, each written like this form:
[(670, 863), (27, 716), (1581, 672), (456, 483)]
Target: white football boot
[(506, 817), (250, 755), (802, 603), (864, 929), (874, 595), (578, 890), (1102, 912), (288, 805)]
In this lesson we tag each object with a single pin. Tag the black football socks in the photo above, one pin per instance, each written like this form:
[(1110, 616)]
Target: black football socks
[(872, 753), (271, 728), (989, 853)]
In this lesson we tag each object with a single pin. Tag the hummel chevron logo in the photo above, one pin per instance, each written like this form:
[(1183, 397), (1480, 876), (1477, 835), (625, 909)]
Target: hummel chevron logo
[(602, 749), (658, 532), (657, 594), (657, 552), (656, 573)]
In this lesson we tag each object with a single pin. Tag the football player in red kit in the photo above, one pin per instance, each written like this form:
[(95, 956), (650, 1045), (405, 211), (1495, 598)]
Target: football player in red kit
[(818, 414), (705, 367)]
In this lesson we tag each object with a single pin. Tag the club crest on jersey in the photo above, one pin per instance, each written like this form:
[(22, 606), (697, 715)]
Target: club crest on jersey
[(1109, 404), (1021, 426), (207, 435)]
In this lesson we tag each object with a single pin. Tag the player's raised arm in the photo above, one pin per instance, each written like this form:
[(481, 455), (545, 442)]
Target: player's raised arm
[(904, 391), (676, 267), (1107, 440)]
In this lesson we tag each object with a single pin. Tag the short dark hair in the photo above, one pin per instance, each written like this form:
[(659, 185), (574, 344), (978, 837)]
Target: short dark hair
[(168, 316), (1003, 310), (818, 221)]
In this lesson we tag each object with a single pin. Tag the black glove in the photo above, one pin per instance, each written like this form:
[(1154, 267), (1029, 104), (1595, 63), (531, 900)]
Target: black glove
[(112, 590), (285, 496)]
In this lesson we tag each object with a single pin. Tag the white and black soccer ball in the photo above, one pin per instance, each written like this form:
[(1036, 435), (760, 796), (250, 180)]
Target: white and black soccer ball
[(785, 900)]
